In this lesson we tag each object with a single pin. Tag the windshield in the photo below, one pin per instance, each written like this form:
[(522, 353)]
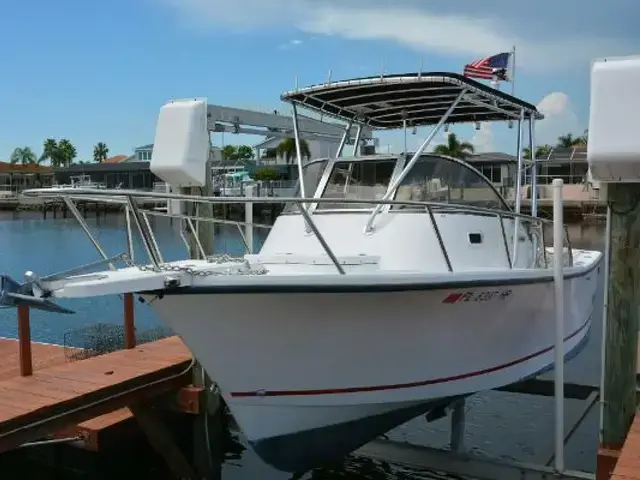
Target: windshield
[(312, 173), (364, 179), (439, 179)]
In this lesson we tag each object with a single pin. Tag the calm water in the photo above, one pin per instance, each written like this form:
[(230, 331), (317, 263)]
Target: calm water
[(498, 424)]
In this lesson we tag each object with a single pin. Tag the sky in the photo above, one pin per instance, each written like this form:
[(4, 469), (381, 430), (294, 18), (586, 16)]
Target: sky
[(100, 71)]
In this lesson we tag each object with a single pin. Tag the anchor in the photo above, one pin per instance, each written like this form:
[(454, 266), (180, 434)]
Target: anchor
[(15, 294)]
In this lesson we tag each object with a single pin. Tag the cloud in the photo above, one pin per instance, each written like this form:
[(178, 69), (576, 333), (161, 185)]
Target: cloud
[(483, 140), (560, 118), (421, 28), (290, 44)]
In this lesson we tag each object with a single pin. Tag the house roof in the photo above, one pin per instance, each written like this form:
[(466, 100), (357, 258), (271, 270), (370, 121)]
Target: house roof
[(115, 159), (6, 167), (492, 157), (144, 147), (271, 142), (105, 167)]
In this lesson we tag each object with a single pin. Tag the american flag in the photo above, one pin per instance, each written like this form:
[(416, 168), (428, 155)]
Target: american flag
[(489, 68)]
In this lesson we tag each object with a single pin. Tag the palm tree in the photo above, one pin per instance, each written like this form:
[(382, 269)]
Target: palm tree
[(67, 152), (455, 148), (49, 152), (23, 156), (568, 141), (542, 151), (287, 149), (100, 152)]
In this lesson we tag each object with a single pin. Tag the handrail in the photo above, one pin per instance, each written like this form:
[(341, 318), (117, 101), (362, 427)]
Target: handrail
[(114, 196), (140, 218)]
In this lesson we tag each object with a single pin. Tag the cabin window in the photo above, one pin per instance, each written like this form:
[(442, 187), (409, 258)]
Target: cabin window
[(438, 179), (364, 179)]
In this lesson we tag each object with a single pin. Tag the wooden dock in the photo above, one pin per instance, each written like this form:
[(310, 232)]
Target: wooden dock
[(628, 465), (63, 396)]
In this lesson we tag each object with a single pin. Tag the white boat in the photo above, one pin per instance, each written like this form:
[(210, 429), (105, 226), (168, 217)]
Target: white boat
[(76, 182), (369, 303)]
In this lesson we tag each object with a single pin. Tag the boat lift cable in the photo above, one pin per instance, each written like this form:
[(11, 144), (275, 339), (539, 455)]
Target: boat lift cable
[(98, 402)]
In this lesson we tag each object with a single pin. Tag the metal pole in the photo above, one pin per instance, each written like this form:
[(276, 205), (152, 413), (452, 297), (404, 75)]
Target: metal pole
[(76, 213), (605, 308), (343, 140), (127, 217), (534, 166), (356, 144), (298, 151), (518, 188), (248, 219), (558, 275), (320, 238), (404, 128), (137, 218), (414, 159)]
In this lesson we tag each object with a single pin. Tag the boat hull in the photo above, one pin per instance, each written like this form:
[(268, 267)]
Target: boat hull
[(300, 370)]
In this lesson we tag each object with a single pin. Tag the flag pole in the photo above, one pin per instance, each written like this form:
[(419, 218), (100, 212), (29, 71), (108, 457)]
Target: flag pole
[(513, 70)]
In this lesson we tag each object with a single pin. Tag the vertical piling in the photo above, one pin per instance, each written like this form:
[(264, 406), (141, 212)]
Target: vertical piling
[(24, 341), (129, 321), (207, 425), (621, 318)]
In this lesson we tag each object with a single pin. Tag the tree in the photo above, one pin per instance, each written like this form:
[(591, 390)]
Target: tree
[(100, 152), (23, 156), (244, 152), (266, 174), (49, 152), (542, 151), (60, 154), (67, 152), (287, 149), (230, 152), (454, 148), (569, 141), (237, 152)]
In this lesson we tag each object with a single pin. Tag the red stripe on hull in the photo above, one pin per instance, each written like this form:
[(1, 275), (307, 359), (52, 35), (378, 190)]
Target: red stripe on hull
[(423, 383)]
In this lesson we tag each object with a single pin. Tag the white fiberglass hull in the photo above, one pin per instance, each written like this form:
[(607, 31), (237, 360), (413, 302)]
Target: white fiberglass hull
[(313, 376)]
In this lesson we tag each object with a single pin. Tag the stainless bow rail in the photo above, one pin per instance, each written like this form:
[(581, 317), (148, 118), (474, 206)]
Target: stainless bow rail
[(533, 226)]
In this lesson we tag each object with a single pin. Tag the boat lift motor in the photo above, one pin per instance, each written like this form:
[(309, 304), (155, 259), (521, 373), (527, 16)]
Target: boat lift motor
[(613, 149), (181, 146)]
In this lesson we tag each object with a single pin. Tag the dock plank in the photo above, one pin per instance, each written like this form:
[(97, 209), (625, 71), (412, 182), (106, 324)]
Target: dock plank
[(628, 466), (44, 355), (82, 392)]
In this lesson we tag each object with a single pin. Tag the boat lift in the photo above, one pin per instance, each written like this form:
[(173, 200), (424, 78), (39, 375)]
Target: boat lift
[(222, 119)]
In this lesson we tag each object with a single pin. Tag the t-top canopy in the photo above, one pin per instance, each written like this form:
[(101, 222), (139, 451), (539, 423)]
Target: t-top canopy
[(383, 102)]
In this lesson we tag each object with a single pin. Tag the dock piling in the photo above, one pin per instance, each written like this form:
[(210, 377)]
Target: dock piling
[(620, 320), (129, 321), (24, 339)]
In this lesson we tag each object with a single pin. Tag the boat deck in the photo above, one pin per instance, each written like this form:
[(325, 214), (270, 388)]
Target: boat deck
[(60, 393)]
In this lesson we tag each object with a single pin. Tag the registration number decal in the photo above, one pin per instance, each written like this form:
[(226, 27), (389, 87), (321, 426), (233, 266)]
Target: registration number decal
[(483, 296)]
